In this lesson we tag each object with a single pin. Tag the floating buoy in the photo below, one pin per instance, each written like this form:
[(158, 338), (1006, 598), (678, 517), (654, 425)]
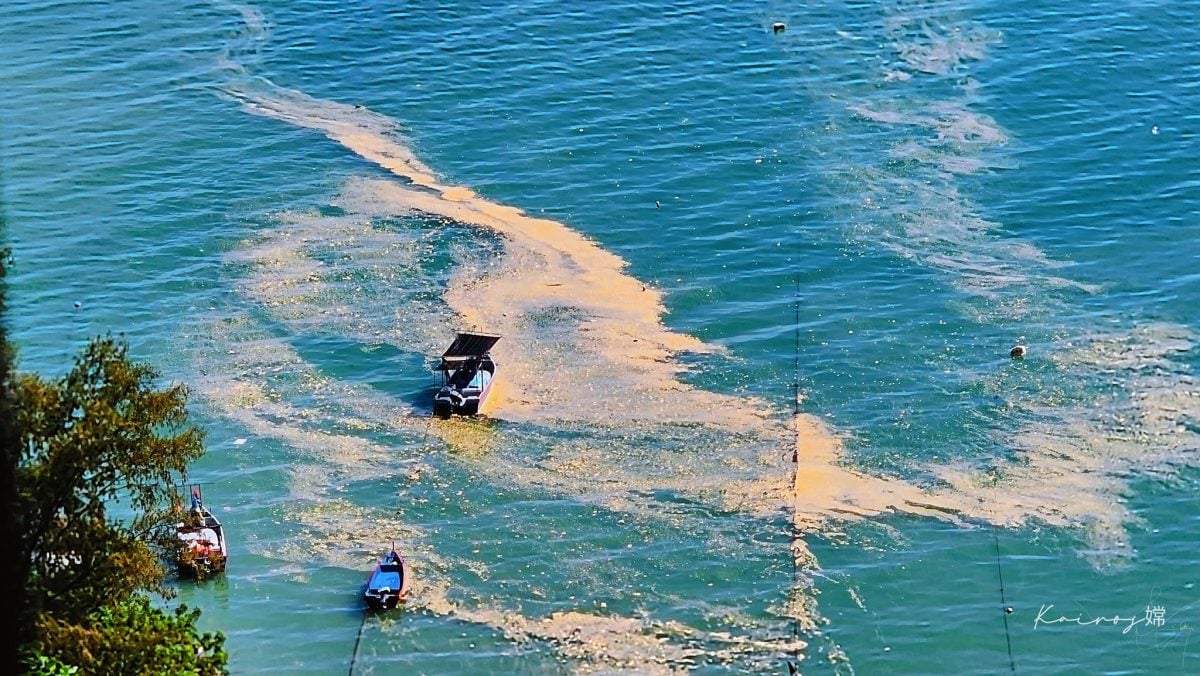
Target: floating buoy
[(1009, 610), (1018, 352), (778, 27), (78, 305)]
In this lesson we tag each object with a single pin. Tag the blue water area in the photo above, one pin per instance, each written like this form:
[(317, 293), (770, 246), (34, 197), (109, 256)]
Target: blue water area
[(865, 209)]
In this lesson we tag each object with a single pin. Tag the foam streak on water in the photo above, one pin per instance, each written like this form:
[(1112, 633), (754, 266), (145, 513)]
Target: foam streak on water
[(588, 366), (555, 291), (913, 96)]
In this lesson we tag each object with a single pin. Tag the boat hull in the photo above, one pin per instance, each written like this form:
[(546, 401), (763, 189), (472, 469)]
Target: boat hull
[(381, 603), (388, 584), (202, 551)]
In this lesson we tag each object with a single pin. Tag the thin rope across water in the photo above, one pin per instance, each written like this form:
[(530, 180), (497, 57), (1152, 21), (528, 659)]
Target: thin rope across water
[(1012, 664), (358, 639)]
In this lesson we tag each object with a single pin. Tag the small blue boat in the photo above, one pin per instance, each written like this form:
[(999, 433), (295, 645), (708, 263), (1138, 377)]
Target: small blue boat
[(467, 372), (389, 583)]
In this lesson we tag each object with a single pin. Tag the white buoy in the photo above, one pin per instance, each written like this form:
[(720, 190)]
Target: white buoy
[(778, 27), (1018, 352)]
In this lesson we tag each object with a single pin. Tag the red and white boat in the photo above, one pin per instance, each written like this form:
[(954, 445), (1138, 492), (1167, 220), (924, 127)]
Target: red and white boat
[(202, 550)]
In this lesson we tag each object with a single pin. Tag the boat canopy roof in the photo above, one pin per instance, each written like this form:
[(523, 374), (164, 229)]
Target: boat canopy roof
[(468, 346)]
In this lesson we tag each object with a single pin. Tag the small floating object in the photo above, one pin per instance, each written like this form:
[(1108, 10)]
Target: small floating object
[(1018, 352), (78, 305), (239, 442), (467, 372), (778, 27), (202, 549), (388, 584)]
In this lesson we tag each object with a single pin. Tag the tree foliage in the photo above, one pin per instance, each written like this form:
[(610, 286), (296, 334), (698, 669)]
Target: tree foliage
[(100, 436), (99, 454), (133, 637), (12, 585), (44, 665)]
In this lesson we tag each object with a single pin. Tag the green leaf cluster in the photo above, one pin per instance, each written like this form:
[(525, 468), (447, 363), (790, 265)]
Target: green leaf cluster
[(100, 436), (97, 459), (134, 637)]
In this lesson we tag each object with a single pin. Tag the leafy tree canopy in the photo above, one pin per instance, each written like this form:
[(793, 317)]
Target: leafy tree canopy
[(131, 637), (99, 454), (100, 436)]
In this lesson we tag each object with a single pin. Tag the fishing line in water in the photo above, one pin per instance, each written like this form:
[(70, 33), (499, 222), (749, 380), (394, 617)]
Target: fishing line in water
[(795, 534), (799, 579), (796, 374), (1012, 664), (358, 639)]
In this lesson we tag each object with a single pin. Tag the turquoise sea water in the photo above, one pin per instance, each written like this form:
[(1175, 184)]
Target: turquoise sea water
[(870, 208)]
